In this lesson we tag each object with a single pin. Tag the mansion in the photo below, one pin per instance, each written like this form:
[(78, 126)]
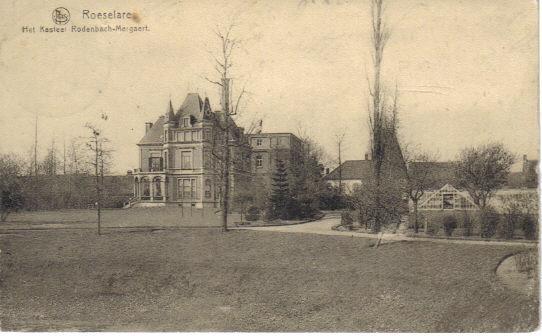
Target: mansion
[(180, 156)]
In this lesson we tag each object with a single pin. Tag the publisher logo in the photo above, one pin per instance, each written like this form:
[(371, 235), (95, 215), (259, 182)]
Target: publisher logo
[(61, 16)]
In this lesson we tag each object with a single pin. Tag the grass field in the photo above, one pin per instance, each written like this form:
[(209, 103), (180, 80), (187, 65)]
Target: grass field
[(204, 280), (170, 216)]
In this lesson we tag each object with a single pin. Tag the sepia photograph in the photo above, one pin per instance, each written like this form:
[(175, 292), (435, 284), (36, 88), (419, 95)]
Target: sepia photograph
[(269, 166)]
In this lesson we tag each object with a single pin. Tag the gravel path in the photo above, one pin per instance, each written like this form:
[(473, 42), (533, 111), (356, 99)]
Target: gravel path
[(324, 227)]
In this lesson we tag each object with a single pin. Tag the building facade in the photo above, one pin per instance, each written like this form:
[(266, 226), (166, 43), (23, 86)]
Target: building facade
[(268, 148), (180, 157)]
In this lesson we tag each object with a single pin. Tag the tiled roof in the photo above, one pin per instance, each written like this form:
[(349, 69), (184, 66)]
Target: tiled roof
[(442, 172), (155, 133), (352, 170)]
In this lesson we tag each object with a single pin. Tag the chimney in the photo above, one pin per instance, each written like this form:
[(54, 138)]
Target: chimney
[(148, 126), (366, 156), (327, 171)]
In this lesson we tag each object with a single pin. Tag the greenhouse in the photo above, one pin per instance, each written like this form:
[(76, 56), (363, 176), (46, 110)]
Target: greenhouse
[(447, 198)]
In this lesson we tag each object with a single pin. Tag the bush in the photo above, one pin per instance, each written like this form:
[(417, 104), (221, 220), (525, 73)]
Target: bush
[(528, 225), (489, 221), (347, 220), (467, 224), (253, 213), (449, 223), (512, 219)]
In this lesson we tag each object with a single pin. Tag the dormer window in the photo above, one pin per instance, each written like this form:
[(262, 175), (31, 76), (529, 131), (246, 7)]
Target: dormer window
[(258, 142), (186, 122)]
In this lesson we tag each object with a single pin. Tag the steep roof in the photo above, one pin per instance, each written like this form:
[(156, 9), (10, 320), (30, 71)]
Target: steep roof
[(194, 106), (352, 170), (442, 172), (155, 134)]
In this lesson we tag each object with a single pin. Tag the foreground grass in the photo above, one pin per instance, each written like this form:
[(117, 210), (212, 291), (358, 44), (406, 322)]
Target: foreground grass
[(203, 280), (170, 216)]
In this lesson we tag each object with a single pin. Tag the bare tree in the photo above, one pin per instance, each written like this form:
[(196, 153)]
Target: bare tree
[(51, 160), (11, 168), (420, 177), (223, 64), (482, 170), (339, 139), (100, 155)]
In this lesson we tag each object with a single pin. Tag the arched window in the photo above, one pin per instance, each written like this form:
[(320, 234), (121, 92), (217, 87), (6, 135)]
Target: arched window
[(145, 188), (157, 187)]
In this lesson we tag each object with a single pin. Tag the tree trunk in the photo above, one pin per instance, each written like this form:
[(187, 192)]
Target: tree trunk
[(97, 173), (226, 156), (416, 216)]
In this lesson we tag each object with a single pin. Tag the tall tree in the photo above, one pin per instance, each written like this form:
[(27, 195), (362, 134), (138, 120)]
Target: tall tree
[(280, 195), (382, 118), (339, 140), (482, 170), (223, 64)]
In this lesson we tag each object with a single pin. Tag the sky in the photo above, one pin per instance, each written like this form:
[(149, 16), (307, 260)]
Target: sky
[(466, 71)]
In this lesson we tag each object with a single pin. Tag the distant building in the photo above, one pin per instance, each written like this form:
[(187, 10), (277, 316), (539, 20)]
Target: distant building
[(445, 193), (268, 148), (352, 173)]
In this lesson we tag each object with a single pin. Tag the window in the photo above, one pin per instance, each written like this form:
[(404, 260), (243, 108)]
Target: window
[(187, 136), (186, 122), (259, 142), (145, 188), (259, 161), (157, 188), (207, 188), (155, 164), (447, 201), (195, 135), (186, 160), (207, 134), (187, 189)]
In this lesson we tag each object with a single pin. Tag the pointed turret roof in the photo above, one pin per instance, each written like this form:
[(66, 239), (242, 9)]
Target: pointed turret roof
[(170, 114)]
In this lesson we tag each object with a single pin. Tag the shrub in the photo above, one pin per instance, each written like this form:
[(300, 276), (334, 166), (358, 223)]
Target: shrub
[(508, 225), (449, 223), (253, 213), (528, 225), (346, 219), (433, 227), (489, 221), (467, 224)]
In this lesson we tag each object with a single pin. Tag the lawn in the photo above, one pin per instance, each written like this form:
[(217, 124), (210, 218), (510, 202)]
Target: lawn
[(205, 280), (170, 216)]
